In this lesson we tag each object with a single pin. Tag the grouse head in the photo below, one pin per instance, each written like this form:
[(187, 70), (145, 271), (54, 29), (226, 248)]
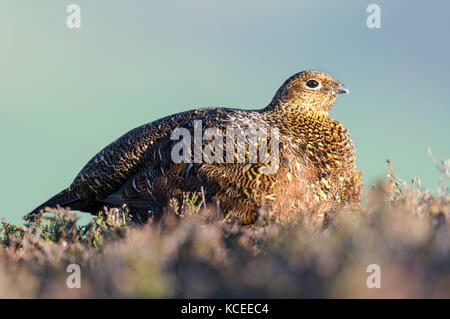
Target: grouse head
[(308, 89)]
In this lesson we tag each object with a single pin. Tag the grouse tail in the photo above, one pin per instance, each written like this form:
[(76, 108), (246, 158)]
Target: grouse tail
[(64, 199)]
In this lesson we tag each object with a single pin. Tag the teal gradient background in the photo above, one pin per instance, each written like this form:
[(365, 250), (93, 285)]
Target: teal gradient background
[(67, 93)]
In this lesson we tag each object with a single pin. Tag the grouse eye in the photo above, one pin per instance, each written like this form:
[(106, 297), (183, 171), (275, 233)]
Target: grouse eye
[(313, 84)]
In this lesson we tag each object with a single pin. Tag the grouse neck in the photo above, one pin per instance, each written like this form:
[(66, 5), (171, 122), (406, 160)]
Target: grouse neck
[(291, 116)]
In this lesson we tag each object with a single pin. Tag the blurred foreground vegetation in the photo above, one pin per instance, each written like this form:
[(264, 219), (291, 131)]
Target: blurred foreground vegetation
[(193, 252)]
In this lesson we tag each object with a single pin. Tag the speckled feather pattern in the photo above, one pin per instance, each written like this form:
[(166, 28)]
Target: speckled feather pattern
[(316, 159)]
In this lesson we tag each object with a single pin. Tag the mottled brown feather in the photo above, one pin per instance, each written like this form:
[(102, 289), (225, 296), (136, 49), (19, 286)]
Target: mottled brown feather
[(317, 163)]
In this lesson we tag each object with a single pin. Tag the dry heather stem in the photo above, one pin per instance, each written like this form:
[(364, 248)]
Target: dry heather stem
[(194, 251)]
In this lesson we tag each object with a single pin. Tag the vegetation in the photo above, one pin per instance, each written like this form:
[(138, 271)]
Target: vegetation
[(194, 252)]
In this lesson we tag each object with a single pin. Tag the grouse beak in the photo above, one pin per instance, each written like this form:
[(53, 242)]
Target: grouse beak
[(342, 89)]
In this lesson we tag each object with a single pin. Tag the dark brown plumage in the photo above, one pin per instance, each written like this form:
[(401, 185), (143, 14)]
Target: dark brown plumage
[(316, 159)]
